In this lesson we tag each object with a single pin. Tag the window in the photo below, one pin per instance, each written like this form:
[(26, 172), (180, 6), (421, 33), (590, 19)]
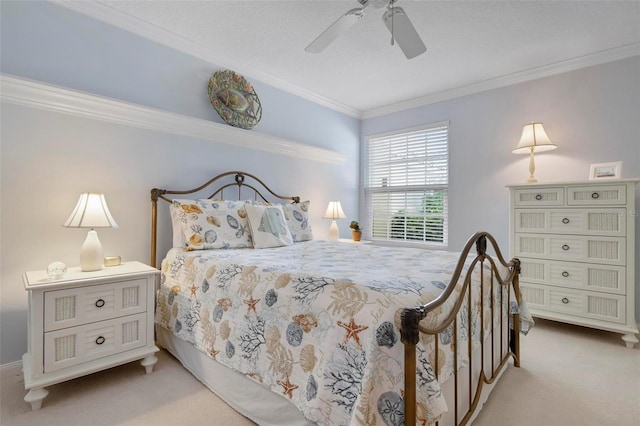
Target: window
[(406, 181)]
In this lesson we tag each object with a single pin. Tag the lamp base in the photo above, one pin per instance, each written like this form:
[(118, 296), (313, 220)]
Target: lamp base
[(334, 233), (91, 253), (532, 168)]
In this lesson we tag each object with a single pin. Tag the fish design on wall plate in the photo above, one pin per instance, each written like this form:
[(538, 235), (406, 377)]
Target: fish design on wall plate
[(234, 99)]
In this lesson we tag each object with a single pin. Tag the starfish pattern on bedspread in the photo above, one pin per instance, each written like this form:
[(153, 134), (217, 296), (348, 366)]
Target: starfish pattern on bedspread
[(305, 342), (352, 330)]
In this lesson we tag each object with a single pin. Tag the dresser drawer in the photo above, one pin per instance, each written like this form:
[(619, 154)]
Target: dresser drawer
[(578, 275), (610, 222), (586, 304), (596, 195), (72, 346), (605, 250), (539, 197), (81, 305)]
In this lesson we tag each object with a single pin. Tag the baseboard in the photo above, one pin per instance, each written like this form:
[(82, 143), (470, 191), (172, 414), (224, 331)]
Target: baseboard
[(10, 369)]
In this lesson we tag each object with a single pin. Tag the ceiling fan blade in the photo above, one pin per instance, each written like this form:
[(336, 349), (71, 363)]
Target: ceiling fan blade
[(403, 31), (336, 29)]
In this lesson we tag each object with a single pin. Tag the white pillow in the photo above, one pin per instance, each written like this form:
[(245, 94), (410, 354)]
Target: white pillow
[(213, 224), (268, 226), (176, 225)]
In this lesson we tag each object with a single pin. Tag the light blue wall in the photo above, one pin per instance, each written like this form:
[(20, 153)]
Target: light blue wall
[(593, 115), (49, 158)]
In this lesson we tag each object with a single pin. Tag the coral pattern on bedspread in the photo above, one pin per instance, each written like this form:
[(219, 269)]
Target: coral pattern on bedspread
[(315, 322)]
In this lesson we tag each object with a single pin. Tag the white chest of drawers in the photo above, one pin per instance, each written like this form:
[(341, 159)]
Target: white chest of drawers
[(86, 322), (576, 244)]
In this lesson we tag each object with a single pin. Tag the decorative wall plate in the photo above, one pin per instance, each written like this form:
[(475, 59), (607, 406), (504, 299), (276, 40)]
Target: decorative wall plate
[(234, 99)]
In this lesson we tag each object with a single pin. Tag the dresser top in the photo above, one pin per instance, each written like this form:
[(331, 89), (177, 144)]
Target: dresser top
[(579, 182)]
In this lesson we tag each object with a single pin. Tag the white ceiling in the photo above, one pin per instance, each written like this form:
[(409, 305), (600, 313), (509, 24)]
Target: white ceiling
[(470, 44)]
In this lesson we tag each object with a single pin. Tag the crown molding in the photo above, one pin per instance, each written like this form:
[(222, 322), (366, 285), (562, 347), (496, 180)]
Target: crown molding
[(33, 94), (598, 58), (119, 19), (136, 26)]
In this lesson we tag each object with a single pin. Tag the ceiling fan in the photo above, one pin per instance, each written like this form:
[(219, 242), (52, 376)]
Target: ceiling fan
[(394, 18)]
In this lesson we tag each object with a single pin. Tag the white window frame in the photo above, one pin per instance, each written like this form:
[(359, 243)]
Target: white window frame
[(368, 191)]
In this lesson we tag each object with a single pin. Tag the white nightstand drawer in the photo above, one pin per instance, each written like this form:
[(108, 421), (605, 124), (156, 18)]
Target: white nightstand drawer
[(539, 197), (597, 195), (610, 222), (81, 305), (72, 346), (599, 306)]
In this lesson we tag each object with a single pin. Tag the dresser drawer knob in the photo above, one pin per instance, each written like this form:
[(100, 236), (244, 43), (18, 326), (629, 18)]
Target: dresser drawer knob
[(565, 274), (100, 303), (565, 220), (565, 247), (565, 300), (595, 195), (100, 340), (538, 197)]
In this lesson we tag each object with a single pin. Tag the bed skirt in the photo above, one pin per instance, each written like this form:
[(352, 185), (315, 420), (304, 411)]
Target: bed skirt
[(261, 405), (244, 395)]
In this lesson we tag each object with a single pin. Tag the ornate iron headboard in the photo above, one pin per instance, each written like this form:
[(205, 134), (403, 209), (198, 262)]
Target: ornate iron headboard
[(239, 182)]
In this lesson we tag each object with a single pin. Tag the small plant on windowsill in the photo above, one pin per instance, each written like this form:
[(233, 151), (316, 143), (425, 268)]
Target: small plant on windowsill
[(356, 232)]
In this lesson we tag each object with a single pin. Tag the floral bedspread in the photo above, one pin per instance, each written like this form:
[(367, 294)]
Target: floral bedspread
[(314, 321)]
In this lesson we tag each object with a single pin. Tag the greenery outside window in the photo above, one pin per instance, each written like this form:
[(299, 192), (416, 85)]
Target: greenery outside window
[(406, 181)]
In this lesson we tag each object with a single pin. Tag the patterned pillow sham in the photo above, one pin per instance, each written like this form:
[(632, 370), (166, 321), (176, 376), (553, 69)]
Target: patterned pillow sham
[(297, 216), (268, 226), (213, 224)]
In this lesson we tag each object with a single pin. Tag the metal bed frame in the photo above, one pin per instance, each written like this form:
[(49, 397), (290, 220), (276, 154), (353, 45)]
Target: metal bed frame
[(493, 358)]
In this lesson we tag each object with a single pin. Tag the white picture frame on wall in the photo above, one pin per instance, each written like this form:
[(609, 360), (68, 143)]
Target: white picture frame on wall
[(611, 170)]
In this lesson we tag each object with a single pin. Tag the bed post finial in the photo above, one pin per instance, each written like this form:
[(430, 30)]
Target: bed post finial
[(481, 245), (156, 193), (409, 319)]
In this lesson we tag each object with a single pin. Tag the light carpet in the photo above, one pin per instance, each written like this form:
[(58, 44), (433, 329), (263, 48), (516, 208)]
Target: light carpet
[(569, 376)]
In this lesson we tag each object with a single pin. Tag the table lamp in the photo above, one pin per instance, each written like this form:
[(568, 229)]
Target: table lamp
[(91, 212), (533, 138), (334, 211)]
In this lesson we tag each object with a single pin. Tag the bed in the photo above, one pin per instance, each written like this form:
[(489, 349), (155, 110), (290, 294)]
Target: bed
[(289, 329)]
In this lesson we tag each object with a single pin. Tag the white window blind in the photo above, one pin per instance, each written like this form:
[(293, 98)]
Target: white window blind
[(406, 185)]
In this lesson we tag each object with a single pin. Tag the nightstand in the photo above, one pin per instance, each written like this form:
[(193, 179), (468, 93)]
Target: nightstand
[(86, 322)]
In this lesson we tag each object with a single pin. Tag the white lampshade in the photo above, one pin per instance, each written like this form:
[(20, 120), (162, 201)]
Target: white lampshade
[(533, 139), (334, 211), (91, 212), (534, 136)]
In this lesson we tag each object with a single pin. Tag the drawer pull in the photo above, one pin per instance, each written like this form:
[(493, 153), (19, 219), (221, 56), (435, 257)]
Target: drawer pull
[(565, 220), (100, 340), (100, 303), (538, 197), (565, 274), (565, 300), (595, 195), (565, 247)]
